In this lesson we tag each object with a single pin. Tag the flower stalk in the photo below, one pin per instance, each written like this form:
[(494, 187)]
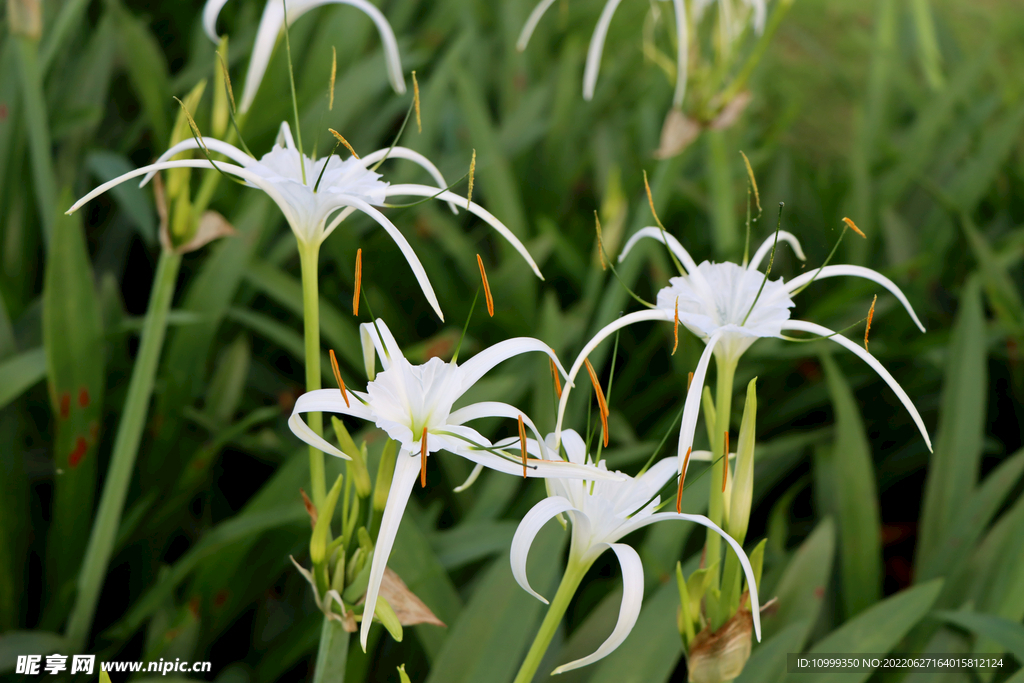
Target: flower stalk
[(575, 570)]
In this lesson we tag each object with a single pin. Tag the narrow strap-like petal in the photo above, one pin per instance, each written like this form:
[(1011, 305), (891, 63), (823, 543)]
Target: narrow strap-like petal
[(691, 408), (336, 221), (474, 208), (760, 14), (748, 571), (284, 134), (596, 48), (484, 409), (407, 469), (413, 156), (604, 333), (403, 246), (629, 610), (656, 233), (210, 13), (659, 473), (814, 328), (324, 401), (536, 469), (766, 248), (470, 480), (533, 521), (253, 178), (377, 337), (477, 366), (212, 144), (682, 52), (531, 23), (855, 271)]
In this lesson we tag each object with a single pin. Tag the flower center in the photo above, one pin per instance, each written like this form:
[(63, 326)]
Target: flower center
[(407, 399)]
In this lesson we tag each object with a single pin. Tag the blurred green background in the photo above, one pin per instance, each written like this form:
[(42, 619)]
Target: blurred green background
[(905, 116)]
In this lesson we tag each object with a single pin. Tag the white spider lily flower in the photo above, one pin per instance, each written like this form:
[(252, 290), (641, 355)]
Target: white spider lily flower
[(413, 402), (720, 303), (596, 48), (602, 512), (270, 28), (346, 186)]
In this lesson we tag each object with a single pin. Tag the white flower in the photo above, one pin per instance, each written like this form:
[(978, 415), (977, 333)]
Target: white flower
[(602, 512), (601, 32), (412, 401), (346, 186), (270, 28), (719, 303)]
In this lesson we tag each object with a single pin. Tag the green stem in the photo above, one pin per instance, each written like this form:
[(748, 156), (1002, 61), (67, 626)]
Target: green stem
[(308, 257), (126, 447), (716, 501), (725, 234), (574, 572), (44, 179), (332, 657)]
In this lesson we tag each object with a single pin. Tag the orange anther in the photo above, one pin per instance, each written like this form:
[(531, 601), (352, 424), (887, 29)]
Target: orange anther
[(600, 241), (487, 287), (522, 443), (871, 315), (689, 381), (343, 141), (416, 101), (359, 282), (727, 446), (675, 335), (554, 374), (601, 404), (852, 226), (423, 459), (338, 379), (682, 478)]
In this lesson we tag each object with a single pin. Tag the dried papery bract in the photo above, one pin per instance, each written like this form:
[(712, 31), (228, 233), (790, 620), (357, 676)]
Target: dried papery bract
[(720, 656)]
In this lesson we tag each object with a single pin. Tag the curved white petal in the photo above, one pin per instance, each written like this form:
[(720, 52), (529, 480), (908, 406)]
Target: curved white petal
[(477, 366), (531, 23), (536, 468), (655, 233), (705, 456), (407, 468), (210, 13), (403, 246), (682, 55), (604, 333), (212, 144), (629, 610), (596, 48), (471, 479), (704, 521), (691, 408), (658, 474), (476, 209), (483, 409), (336, 221), (855, 271), (814, 328), (324, 401), (533, 521), (766, 247), (413, 156), (760, 14), (253, 178), (284, 135)]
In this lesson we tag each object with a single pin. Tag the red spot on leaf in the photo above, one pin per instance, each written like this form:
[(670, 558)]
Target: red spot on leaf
[(3, 112), (76, 455), (172, 634), (810, 370), (193, 606), (198, 464), (220, 598), (94, 431), (83, 397), (819, 592), (65, 405)]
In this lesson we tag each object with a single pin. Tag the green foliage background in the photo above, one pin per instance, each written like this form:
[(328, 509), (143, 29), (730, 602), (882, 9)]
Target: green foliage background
[(873, 543)]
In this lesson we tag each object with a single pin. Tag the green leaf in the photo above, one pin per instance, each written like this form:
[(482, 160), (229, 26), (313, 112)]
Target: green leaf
[(801, 589), (133, 200), (1009, 634), (879, 628), (73, 339), (147, 70), (853, 497), (20, 373), (471, 542), (953, 470), (488, 640), (14, 643), (224, 392), (767, 663)]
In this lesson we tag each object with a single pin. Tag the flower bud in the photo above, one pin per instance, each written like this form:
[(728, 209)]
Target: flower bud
[(385, 471), (25, 18), (743, 477), (318, 542), (357, 468)]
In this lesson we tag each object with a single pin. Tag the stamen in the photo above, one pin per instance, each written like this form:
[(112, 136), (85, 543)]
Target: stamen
[(522, 443), (472, 170), (295, 99), (423, 459), (334, 75), (867, 328), (753, 182), (601, 404), (198, 137), (600, 241), (554, 373), (689, 381), (227, 83), (359, 282), (675, 335), (727, 446), (853, 227), (771, 261), (416, 101), (339, 138), (664, 237), (682, 478), (338, 379), (487, 287)]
